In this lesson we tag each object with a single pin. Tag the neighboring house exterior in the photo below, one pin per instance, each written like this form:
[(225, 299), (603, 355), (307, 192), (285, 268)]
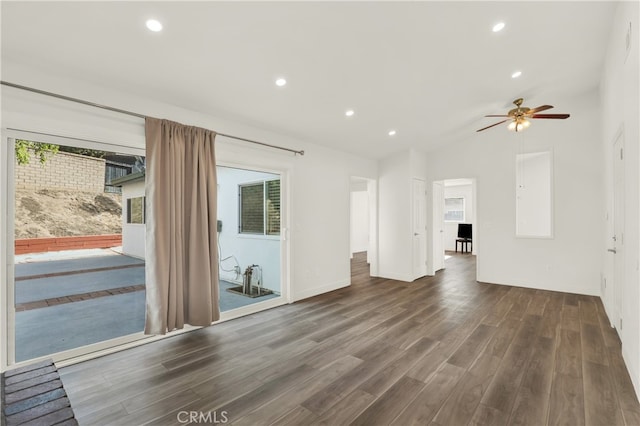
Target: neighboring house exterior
[(133, 213), (120, 165), (112, 171)]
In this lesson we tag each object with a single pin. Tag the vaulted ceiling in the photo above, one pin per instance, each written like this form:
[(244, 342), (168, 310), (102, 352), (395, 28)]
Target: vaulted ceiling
[(429, 70)]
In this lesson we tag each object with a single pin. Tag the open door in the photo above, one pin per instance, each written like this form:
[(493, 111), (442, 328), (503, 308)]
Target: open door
[(617, 243), (419, 228), (438, 226)]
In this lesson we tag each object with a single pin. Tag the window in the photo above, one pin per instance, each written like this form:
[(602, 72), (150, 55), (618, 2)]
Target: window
[(113, 171), (260, 208), (454, 209), (135, 210)]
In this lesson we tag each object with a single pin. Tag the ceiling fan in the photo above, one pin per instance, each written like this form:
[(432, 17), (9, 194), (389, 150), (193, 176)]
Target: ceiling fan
[(519, 116)]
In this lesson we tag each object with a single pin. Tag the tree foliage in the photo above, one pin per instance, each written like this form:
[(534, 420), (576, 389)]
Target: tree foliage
[(41, 150), (83, 151)]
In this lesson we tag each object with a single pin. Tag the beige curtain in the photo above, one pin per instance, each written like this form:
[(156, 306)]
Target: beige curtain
[(181, 245)]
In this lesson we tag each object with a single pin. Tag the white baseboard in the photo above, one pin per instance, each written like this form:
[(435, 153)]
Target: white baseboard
[(305, 294), (630, 369), (537, 286), (396, 276)]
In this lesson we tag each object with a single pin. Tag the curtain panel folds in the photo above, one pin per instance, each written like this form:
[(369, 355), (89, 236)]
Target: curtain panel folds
[(181, 232)]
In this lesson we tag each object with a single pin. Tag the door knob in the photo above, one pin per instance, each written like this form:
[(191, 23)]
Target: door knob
[(415, 234), (612, 250)]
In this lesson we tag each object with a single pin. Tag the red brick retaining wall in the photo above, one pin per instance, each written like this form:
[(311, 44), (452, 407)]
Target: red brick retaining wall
[(41, 245)]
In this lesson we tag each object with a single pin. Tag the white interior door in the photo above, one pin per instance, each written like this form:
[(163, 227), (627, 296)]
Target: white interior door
[(419, 228), (372, 252), (438, 226), (617, 242)]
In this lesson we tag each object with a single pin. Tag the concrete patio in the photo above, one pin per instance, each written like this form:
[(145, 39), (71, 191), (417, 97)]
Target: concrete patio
[(64, 303)]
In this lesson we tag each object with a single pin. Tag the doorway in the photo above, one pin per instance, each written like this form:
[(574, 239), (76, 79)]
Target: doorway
[(363, 221), (454, 211)]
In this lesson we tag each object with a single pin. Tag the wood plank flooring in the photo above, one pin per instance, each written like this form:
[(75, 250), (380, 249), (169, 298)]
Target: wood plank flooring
[(442, 350)]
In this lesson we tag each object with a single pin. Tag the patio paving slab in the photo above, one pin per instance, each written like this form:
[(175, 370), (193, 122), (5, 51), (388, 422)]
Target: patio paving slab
[(57, 328), (28, 269), (67, 285)]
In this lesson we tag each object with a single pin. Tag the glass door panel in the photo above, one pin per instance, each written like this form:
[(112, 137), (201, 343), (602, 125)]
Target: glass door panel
[(79, 247)]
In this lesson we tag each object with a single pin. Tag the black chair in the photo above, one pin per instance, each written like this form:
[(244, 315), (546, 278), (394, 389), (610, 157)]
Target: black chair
[(465, 238)]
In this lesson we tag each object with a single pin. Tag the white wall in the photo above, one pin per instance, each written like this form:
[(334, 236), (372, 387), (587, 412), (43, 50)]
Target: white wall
[(394, 217), (262, 250), (320, 226), (451, 228), (317, 238), (394, 213), (133, 234), (620, 99), (572, 260), (359, 220)]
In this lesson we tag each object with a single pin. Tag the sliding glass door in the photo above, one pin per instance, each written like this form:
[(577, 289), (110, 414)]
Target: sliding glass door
[(249, 236), (78, 247), (75, 248)]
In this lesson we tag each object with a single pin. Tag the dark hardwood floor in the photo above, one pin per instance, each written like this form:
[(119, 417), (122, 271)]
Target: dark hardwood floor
[(442, 350)]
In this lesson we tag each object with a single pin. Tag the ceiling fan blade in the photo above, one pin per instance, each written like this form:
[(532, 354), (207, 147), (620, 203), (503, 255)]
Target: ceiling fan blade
[(557, 116), (497, 115), (488, 127), (539, 109)]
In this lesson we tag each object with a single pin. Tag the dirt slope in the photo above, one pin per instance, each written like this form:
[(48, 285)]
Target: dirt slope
[(54, 213)]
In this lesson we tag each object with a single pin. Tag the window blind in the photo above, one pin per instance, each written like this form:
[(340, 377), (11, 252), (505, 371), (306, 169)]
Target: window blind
[(272, 207), (252, 209)]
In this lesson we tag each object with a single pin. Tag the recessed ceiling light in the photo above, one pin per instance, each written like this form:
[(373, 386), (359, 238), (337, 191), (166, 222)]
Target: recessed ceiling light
[(154, 25), (498, 27), (349, 113), (392, 132), (281, 82), (516, 74)]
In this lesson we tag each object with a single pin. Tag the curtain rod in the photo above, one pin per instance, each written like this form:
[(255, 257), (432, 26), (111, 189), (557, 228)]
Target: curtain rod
[(131, 113)]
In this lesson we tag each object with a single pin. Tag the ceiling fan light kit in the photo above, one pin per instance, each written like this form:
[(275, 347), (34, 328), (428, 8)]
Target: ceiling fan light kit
[(519, 124), (519, 116)]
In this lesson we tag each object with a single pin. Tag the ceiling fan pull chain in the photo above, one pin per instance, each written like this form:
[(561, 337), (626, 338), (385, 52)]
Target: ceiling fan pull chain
[(521, 161)]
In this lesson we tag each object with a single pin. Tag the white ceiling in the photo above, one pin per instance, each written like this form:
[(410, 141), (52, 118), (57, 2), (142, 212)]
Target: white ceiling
[(430, 70)]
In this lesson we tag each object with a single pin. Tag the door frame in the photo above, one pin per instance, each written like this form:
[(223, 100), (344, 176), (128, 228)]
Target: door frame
[(432, 224), (437, 228), (7, 331), (285, 240), (419, 269), (617, 262), (7, 252), (372, 196)]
